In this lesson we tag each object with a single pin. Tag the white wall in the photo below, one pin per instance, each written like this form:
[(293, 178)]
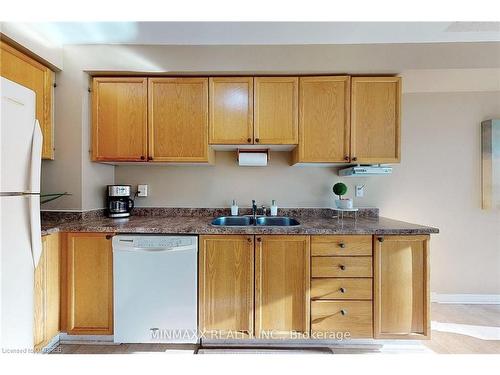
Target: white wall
[(19, 32), (72, 171)]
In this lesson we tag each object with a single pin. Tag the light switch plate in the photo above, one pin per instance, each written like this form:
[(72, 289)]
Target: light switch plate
[(142, 190), (360, 190)]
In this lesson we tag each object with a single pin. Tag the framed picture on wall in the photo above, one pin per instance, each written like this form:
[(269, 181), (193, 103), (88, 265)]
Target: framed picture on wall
[(490, 164)]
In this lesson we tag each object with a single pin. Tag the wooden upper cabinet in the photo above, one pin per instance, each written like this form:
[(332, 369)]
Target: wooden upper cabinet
[(22, 69), (324, 120), (226, 286), (119, 119), (231, 110), (401, 287), (178, 120), (282, 280), (375, 120), (275, 110), (89, 283)]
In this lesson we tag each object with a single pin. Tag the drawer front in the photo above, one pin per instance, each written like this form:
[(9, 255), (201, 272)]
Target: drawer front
[(353, 317), (341, 245), (341, 267), (341, 288)]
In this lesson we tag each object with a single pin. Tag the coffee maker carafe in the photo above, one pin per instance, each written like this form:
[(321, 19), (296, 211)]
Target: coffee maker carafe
[(118, 201)]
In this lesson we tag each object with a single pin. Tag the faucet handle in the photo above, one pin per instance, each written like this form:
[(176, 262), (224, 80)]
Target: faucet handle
[(263, 210)]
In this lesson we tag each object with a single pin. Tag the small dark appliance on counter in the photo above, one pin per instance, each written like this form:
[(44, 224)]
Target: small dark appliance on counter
[(118, 201)]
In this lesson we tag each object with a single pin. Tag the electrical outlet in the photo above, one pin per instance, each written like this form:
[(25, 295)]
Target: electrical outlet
[(360, 190), (142, 190)]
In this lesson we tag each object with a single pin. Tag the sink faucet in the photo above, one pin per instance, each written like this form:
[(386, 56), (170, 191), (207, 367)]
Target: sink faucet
[(254, 211)]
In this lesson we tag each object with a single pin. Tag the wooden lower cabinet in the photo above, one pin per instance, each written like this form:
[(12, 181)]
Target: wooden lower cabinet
[(401, 287), (341, 319), (88, 284), (47, 292), (341, 267), (226, 286), (282, 279), (341, 288)]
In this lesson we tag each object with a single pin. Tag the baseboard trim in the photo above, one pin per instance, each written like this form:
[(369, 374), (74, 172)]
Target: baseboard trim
[(466, 299), (64, 338)]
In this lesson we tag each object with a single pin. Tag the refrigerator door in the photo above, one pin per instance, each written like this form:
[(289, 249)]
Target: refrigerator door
[(17, 275), (16, 138)]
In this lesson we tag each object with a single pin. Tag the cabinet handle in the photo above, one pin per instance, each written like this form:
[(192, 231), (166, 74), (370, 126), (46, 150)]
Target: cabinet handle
[(380, 239), (354, 158), (109, 236), (259, 239), (343, 312), (257, 140), (346, 158), (342, 267), (142, 157), (249, 239), (342, 245), (342, 290), (150, 158), (249, 140)]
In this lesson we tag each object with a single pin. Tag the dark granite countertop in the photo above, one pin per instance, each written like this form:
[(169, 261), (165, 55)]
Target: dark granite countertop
[(193, 221)]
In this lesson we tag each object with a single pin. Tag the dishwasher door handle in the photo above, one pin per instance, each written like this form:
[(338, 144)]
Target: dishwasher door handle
[(153, 249)]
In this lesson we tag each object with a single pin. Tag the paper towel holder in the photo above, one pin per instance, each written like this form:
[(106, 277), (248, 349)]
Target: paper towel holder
[(252, 151)]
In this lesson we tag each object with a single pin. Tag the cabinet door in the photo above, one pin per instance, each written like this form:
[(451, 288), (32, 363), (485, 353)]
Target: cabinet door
[(231, 110), (401, 287), (46, 292), (119, 119), (22, 69), (324, 120), (282, 303), (275, 111), (40, 303), (178, 119), (226, 286), (375, 119), (89, 284), (52, 250)]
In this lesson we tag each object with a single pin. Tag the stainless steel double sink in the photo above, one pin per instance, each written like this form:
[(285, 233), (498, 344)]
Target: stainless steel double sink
[(242, 221)]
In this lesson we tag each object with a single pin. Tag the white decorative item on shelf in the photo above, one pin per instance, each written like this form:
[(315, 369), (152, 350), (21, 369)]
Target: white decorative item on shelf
[(344, 203), (234, 209), (340, 215), (274, 208), (346, 209)]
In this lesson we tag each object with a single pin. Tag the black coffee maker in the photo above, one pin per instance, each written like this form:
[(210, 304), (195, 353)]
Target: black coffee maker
[(118, 201)]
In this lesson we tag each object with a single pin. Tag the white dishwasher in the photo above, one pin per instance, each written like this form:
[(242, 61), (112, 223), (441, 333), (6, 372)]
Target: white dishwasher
[(155, 288)]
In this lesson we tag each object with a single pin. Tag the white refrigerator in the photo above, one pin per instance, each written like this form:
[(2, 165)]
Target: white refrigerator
[(21, 246)]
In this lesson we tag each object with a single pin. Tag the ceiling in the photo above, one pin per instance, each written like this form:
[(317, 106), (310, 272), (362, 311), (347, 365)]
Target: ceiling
[(259, 33)]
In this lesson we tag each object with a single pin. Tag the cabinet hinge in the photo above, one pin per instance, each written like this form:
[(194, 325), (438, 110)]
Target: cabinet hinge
[(55, 85)]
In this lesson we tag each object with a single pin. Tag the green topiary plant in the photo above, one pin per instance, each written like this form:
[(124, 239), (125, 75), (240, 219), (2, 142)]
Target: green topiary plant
[(339, 189)]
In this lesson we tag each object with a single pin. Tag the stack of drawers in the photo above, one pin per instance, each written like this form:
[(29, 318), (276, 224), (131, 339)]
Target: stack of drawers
[(341, 286)]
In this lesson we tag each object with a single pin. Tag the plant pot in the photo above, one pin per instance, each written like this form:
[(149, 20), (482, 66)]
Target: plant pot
[(344, 203)]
